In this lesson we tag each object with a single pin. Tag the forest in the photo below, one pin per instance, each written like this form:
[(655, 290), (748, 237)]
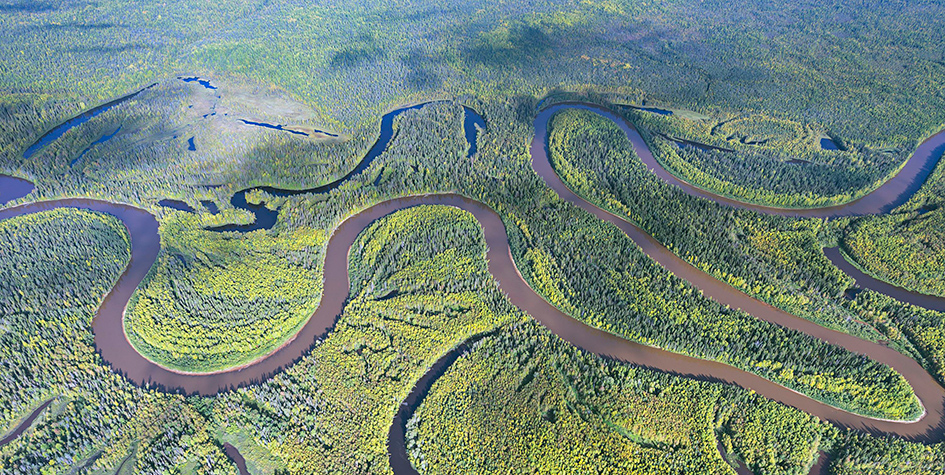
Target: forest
[(419, 148), (764, 160), (906, 247), (349, 75), (400, 319), (423, 136), (64, 261), (768, 82), (571, 412), (213, 301), (407, 308), (738, 339), (775, 259)]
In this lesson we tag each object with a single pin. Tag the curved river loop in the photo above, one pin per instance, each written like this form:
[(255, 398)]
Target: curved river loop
[(115, 348)]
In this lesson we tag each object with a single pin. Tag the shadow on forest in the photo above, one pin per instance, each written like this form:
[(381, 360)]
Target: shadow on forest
[(362, 49), (518, 44), (27, 7), (97, 49), (78, 26)]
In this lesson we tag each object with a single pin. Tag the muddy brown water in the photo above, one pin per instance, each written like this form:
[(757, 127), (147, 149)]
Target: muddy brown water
[(118, 352), (893, 193), (930, 427), (821, 466), (25, 424), (115, 348), (396, 442), (866, 281), (236, 457)]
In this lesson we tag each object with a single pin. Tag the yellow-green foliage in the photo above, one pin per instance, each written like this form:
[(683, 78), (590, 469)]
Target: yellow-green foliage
[(525, 402), (213, 301), (769, 437), (495, 412), (549, 280), (52, 259), (31, 245), (791, 246), (860, 454), (56, 266), (794, 246), (905, 249), (59, 58), (766, 160), (328, 413), (449, 264), (586, 151), (258, 457), (434, 258)]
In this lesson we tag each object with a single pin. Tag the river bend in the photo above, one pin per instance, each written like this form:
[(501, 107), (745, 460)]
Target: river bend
[(117, 351)]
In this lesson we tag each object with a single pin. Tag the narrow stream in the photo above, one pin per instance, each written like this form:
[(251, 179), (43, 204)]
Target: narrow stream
[(25, 424), (101, 140), (866, 281), (265, 218), (236, 457)]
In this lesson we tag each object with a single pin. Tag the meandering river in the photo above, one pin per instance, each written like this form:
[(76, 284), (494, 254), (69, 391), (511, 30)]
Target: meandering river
[(115, 348), (893, 193)]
